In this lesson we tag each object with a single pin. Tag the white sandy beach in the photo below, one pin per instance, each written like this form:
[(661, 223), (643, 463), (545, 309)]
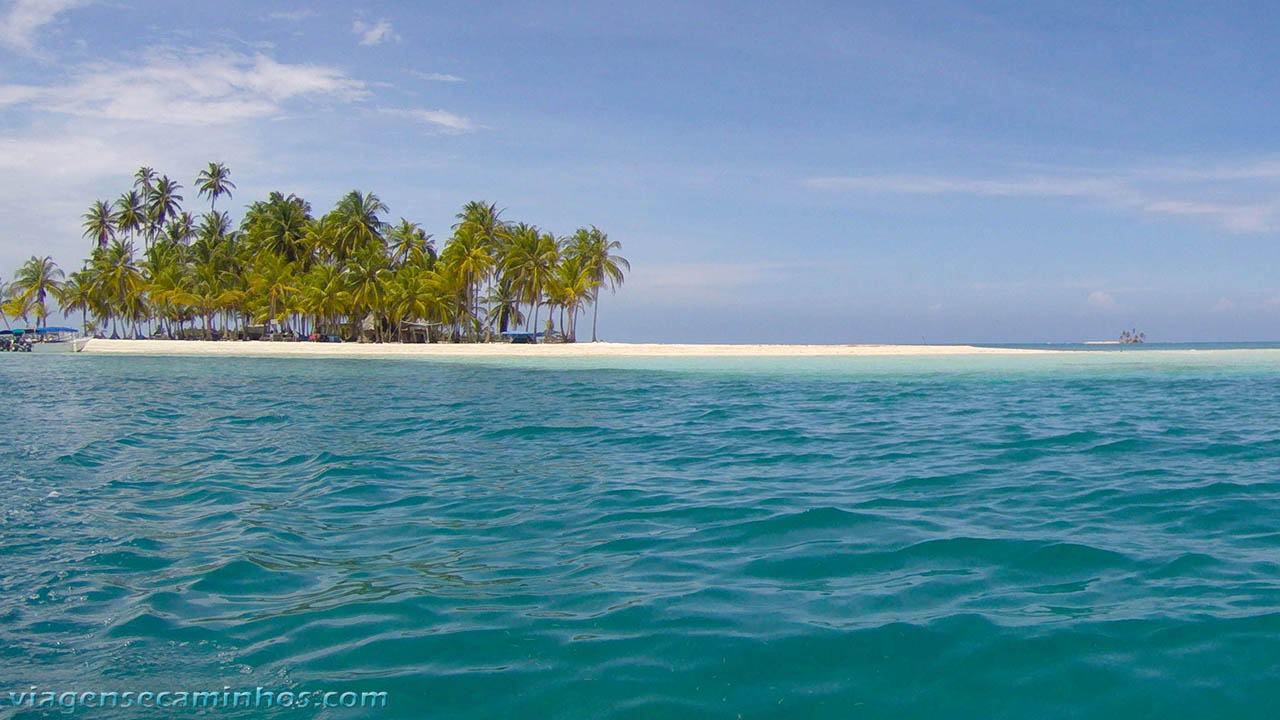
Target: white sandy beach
[(492, 350)]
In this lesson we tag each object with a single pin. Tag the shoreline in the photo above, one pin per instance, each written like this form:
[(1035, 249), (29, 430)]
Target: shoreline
[(258, 348)]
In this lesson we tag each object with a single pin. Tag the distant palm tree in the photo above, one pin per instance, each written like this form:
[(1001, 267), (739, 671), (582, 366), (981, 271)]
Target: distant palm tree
[(279, 225), (571, 285), (359, 226), (130, 213), (504, 306), (410, 244), (605, 268), (271, 281), (77, 294), (530, 262), (17, 308), (482, 223), (144, 179), (120, 284), (99, 223), (325, 295), (37, 279), (163, 203), (214, 181), (469, 258), (181, 228), (368, 278)]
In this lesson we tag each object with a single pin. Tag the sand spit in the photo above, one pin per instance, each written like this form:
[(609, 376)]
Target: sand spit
[(505, 350)]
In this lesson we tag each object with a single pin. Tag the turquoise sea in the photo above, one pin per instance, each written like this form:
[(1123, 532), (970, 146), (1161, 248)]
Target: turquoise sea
[(1079, 535)]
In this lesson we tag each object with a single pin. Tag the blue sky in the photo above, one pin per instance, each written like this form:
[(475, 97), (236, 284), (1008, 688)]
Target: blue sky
[(798, 172)]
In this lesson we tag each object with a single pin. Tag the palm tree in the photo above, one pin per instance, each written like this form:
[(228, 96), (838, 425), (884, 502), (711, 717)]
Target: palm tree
[(368, 278), (37, 279), (181, 228), (358, 226), (99, 223), (130, 214), (17, 308), (410, 244), (271, 281), (571, 285), (595, 249), (483, 222), (278, 225), (163, 203), (77, 294), (529, 262), (325, 295), (120, 284), (214, 181), (408, 297), (144, 179), (469, 257)]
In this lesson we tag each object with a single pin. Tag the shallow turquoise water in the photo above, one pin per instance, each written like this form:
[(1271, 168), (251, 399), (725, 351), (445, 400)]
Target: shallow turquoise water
[(1081, 535)]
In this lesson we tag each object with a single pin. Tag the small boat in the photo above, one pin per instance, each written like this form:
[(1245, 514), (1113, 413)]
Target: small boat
[(43, 340), (58, 339)]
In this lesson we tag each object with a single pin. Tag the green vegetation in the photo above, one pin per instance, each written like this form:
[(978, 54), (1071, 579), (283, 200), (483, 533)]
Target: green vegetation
[(285, 272), (1132, 337)]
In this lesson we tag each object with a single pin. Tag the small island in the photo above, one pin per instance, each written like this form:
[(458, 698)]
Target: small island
[(159, 271)]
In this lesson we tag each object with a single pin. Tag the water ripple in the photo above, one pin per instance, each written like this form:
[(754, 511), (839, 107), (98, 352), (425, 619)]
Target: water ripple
[(663, 541)]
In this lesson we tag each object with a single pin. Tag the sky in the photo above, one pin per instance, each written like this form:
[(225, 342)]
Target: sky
[(776, 172)]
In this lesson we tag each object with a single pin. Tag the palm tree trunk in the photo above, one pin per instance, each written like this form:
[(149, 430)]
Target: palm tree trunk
[(595, 311), (535, 322)]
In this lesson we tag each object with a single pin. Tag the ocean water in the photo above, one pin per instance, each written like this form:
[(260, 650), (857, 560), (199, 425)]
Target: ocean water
[(1091, 535)]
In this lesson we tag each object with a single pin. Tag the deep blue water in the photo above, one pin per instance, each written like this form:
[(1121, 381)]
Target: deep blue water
[(1092, 535)]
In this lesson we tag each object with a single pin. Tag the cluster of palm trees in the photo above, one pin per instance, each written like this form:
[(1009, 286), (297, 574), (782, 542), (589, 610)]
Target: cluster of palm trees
[(158, 270)]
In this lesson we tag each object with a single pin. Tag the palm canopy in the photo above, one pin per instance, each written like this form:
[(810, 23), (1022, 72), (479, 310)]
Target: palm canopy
[(162, 203), (36, 280), (144, 178), (357, 223), (214, 181), (411, 244), (130, 212), (279, 225), (605, 267), (99, 223)]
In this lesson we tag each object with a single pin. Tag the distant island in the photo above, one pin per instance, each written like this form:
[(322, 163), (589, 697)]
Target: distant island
[(284, 273)]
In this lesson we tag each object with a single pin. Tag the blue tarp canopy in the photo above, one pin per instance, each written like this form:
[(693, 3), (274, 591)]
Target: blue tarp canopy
[(55, 329), (513, 333)]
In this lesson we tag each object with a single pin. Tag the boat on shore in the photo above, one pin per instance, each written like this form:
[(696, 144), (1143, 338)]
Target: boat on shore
[(42, 340)]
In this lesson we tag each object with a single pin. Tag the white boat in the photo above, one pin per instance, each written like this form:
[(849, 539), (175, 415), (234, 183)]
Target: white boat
[(45, 340)]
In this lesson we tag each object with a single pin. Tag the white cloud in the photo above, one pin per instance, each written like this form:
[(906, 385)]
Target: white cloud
[(50, 172), (1223, 305), (1244, 198), (1102, 300), (80, 136), (18, 27), (374, 34), (192, 89), (442, 119), (437, 77), (1246, 218)]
